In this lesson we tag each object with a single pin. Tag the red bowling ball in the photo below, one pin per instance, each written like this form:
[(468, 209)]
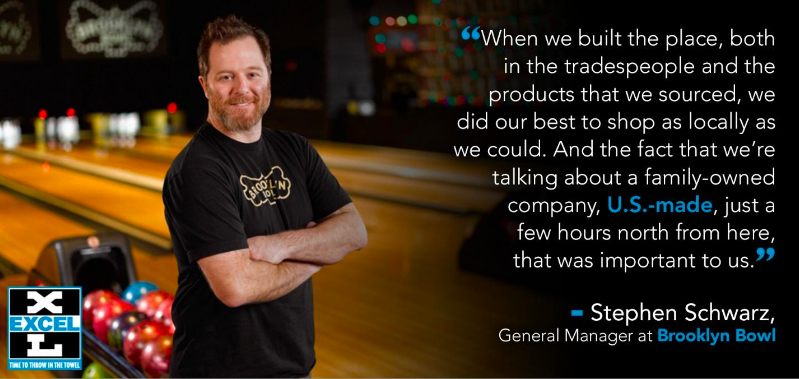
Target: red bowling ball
[(138, 336), (149, 302), (156, 356), (92, 300), (164, 315), (104, 313)]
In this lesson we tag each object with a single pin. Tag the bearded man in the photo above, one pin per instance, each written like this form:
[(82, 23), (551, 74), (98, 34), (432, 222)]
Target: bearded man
[(253, 214)]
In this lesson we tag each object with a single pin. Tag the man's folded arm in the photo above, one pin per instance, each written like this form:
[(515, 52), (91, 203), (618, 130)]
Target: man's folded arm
[(237, 280), (329, 241)]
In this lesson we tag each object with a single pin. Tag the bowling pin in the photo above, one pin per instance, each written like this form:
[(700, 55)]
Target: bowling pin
[(122, 129), (17, 134), (130, 131), (59, 129), (113, 126), (50, 132), (62, 128), (125, 129), (50, 129), (74, 130), (10, 135)]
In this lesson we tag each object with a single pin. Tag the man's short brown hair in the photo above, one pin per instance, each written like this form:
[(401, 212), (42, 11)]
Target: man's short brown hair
[(224, 30)]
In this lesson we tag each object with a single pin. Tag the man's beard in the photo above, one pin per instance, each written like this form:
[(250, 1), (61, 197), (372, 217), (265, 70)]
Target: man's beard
[(239, 122)]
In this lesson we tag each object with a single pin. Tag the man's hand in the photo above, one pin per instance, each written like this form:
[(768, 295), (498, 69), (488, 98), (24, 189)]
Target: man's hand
[(236, 279), (269, 248), (262, 248), (325, 243)]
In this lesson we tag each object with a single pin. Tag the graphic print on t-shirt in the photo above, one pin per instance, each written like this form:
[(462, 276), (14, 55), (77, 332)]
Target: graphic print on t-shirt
[(266, 188)]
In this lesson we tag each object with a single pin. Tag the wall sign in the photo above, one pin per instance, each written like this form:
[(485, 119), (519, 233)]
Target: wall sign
[(19, 34), (118, 29)]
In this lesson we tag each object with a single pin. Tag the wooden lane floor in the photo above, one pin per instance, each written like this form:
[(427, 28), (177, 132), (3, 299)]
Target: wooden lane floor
[(121, 207), (423, 193), (398, 308), (28, 228), (415, 176), (402, 307), (410, 164)]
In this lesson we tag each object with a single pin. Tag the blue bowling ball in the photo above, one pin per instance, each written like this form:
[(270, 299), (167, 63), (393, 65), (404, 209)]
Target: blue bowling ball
[(136, 290)]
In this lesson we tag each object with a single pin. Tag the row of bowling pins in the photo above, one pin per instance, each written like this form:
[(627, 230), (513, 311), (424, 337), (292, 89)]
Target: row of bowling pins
[(10, 134), (64, 130), (122, 129)]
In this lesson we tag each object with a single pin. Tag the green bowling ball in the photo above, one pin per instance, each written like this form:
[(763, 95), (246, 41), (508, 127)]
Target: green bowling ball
[(94, 370)]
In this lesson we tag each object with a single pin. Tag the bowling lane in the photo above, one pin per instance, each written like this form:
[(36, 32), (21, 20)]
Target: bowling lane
[(27, 228), (88, 153), (398, 308), (401, 307), (111, 203), (159, 149), (410, 164), (436, 195), (365, 306)]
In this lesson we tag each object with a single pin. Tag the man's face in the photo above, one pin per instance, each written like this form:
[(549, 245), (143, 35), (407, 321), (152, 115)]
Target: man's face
[(238, 86)]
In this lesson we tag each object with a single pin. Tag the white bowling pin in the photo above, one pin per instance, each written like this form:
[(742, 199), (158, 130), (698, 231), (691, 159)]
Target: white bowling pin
[(51, 128)]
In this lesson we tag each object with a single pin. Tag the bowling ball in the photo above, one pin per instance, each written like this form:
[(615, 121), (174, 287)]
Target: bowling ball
[(104, 313), (149, 302), (119, 328), (138, 336), (94, 370), (156, 356), (164, 315), (137, 290), (92, 300)]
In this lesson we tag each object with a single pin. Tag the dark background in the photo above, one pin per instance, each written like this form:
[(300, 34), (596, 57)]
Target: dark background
[(139, 83), (329, 43)]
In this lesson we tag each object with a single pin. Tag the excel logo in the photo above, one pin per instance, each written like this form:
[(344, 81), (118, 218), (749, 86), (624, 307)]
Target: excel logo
[(44, 328)]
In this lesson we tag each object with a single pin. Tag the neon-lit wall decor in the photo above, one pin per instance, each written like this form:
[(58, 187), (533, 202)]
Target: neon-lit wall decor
[(112, 29), (19, 30)]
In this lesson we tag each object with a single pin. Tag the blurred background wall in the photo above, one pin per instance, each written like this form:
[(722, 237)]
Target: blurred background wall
[(364, 71)]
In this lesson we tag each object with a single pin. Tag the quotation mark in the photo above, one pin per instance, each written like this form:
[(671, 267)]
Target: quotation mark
[(761, 252), (475, 35)]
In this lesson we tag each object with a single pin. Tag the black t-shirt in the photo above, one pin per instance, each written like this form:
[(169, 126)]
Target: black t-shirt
[(218, 193)]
